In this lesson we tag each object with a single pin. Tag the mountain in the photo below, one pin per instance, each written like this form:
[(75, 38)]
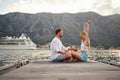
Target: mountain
[(104, 30)]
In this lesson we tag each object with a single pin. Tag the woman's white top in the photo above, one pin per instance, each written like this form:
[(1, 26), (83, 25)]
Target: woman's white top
[(84, 47)]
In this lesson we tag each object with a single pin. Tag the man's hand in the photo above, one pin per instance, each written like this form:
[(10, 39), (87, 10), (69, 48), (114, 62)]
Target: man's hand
[(74, 49), (61, 52)]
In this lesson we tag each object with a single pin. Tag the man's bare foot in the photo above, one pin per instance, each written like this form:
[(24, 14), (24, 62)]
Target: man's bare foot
[(67, 60), (75, 60)]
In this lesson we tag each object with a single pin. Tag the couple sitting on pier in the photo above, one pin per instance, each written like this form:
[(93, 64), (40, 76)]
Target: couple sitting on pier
[(60, 53)]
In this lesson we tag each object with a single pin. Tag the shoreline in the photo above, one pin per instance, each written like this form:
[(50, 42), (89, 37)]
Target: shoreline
[(10, 56)]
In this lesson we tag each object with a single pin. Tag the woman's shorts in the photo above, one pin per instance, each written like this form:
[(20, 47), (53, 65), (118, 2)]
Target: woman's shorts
[(84, 57)]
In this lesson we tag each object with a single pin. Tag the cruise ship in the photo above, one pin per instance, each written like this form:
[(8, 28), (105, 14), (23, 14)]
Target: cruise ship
[(22, 42)]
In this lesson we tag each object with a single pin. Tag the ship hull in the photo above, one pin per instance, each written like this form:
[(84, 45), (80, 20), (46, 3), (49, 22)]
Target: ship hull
[(25, 47)]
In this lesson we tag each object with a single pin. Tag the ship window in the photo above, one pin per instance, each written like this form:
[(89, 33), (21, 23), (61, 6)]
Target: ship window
[(22, 43), (3, 43), (12, 43), (8, 43)]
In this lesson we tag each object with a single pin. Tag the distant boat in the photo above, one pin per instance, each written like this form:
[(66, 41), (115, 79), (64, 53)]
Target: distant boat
[(22, 42)]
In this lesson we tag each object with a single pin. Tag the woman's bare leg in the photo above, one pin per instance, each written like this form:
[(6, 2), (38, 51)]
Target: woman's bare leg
[(76, 55), (68, 56)]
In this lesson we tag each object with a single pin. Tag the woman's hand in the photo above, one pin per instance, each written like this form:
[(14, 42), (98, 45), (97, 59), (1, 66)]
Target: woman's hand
[(74, 49), (89, 21)]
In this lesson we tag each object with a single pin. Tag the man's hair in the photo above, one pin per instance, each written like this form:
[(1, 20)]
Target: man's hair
[(58, 30)]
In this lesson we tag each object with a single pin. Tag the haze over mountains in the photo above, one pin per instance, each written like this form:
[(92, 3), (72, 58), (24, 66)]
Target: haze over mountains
[(104, 30)]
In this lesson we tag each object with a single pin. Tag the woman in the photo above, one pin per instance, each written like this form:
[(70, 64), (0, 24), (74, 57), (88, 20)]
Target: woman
[(85, 42)]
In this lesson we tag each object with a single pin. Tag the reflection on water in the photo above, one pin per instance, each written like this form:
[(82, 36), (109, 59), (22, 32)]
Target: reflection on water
[(9, 56)]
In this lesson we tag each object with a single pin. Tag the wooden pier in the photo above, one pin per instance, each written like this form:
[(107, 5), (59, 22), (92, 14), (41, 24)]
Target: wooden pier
[(45, 70)]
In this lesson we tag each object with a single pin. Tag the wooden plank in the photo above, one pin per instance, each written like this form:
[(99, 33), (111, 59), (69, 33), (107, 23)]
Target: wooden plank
[(45, 70)]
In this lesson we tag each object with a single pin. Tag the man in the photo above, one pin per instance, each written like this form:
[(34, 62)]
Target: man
[(59, 52)]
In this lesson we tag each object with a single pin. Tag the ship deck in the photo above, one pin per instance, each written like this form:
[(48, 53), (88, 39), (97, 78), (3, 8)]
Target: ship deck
[(45, 70)]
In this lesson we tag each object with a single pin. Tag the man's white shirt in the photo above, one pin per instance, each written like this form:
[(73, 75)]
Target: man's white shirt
[(55, 46)]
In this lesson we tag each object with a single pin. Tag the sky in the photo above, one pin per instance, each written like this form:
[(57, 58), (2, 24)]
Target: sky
[(103, 7)]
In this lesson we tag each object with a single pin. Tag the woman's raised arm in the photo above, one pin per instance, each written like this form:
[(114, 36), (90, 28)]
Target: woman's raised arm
[(87, 27)]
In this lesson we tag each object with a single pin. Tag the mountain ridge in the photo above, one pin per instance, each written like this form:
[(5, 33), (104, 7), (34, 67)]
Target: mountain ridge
[(104, 30)]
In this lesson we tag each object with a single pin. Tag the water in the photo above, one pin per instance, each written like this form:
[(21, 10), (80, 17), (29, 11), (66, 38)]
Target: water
[(107, 56), (9, 56)]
